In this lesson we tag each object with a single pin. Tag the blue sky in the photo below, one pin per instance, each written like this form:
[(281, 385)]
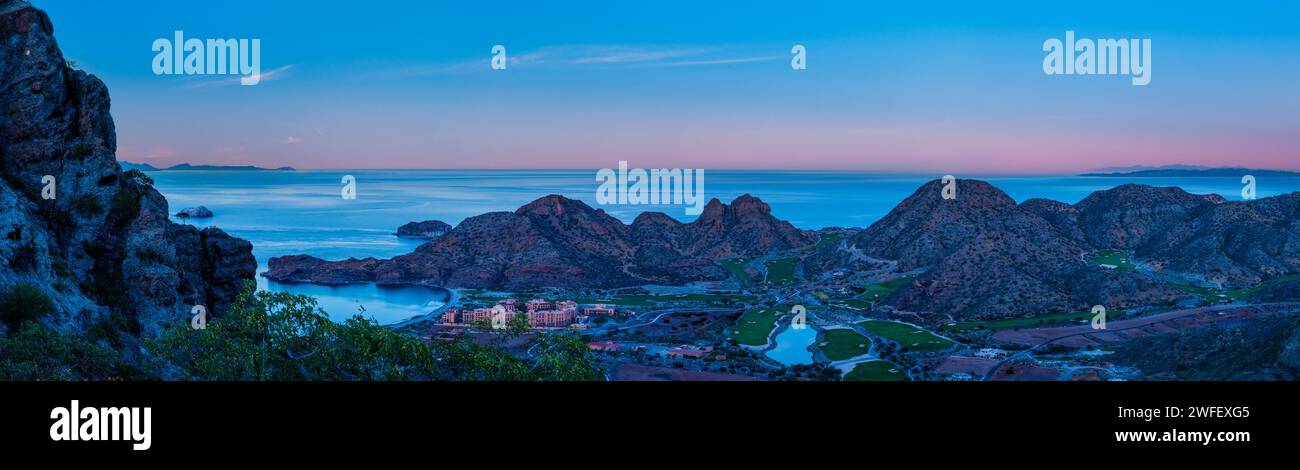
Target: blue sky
[(924, 87)]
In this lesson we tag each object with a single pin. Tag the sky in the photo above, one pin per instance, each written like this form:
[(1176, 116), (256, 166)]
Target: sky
[(913, 87)]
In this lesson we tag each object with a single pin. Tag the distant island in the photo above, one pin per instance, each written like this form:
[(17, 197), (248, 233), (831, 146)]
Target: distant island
[(126, 166), (1186, 171)]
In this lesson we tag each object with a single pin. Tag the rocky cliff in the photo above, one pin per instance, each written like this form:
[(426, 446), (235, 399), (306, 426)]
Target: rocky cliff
[(559, 242), (96, 240)]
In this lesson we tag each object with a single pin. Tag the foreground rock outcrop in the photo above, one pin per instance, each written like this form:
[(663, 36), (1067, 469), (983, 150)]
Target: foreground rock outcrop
[(94, 239), (559, 242)]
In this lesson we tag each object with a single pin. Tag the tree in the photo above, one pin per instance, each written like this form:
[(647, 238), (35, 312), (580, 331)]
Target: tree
[(517, 325), (563, 357), (284, 336), (24, 303)]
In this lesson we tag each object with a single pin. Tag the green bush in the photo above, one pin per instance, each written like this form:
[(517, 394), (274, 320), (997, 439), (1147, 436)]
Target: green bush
[(24, 303), (137, 177), (126, 206), (36, 352), (81, 151), (87, 205)]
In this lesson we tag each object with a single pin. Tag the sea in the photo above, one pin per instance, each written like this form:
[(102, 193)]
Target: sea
[(305, 212)]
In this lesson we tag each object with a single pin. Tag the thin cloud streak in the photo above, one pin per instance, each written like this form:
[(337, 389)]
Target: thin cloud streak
[(268, 76), (580, 56)]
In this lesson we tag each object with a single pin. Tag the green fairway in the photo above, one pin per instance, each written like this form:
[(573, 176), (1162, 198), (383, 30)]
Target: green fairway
[(1211, 294), (826, 241), (753, 328), (780, 271), (843, 344), (1116, 258), (1046, 320), (875, 371), (736, 266), (881, 290), (910, 337)]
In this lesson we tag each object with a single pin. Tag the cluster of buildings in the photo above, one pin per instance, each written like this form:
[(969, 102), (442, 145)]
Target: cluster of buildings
[(541, 313)]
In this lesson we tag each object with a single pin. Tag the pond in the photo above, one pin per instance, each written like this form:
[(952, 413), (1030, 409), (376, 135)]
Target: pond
[(792, 346)]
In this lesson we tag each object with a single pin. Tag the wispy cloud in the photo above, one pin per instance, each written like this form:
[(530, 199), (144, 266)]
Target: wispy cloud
[(585, 56), (210, 81), (293, 140)]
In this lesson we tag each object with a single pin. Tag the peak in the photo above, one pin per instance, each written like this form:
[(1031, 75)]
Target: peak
[(1132, 195), (654, 218), (554, 205), (969, 193), (747, 204)]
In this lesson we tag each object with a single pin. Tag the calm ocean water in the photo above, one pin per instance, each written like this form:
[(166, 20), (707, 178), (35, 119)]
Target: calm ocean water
[(302, 212)]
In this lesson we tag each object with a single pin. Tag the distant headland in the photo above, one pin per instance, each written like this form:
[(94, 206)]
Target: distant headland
[(1186, 171), (188, 167)]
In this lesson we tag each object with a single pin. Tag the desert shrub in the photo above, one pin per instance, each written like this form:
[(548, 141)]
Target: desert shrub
[(126, 206), (137, 177), (36, 352), (24, 303), (87, 205), (80, 151)]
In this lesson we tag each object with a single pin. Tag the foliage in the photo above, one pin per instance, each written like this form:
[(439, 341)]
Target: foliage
[(563, 357), (35, 352), (24, 303), (517, 325), (87, 205), (80, 151), (283, 336), (137, 177)]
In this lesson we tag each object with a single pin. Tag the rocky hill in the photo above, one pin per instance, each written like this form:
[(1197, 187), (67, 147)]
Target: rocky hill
[(95, 240), (984, 256), (559, 242)]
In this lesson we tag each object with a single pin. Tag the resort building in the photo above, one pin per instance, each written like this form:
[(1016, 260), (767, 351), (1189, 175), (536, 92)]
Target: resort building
[(599, 309), (539, 304), (541, 314)]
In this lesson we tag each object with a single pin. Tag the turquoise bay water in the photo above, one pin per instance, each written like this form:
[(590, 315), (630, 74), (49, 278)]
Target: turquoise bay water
[(301, 212)]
